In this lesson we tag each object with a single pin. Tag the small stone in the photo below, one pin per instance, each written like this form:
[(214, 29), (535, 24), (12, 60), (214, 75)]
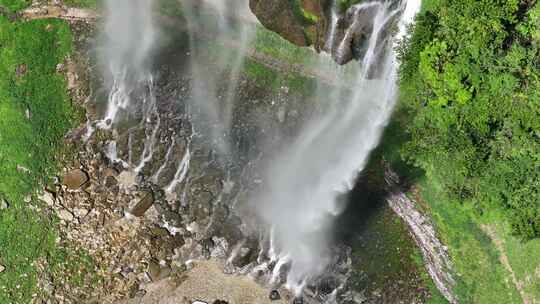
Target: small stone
[(110, 182), (2, 268), (21, 70), (75, 179), (274, 295), (143, 204), (298, 300), (47, 198), (4, 204), (28, 199), (65, 215), (127, 179), (22, 169)]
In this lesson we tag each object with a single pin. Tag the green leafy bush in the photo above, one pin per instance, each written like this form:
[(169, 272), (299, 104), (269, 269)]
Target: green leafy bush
[(469, 79)]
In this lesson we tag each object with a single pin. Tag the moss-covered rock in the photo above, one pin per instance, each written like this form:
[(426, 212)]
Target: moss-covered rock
[(302, 22)]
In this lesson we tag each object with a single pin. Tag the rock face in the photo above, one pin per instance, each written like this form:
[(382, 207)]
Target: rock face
[(301, 22), (324, 24), (434, 252)]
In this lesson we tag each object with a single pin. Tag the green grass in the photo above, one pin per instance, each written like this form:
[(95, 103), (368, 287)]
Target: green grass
[(480, 276), (15, 5), (274, 80), (25, 234), (83, 3), (273, 45)]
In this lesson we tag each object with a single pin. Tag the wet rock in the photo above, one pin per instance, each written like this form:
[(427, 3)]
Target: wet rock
[(274, 295), (298, 300), (75, 179), (220, 248), (220, 302), (140, 208)]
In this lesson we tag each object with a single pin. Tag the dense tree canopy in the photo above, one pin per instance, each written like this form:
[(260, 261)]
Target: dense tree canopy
[(470, 82)]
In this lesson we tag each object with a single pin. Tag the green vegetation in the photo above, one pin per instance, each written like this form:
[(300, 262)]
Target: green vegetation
[(82, 3), (15, 5), (345, 4), (470, 108), (273, 45), (303, 16), (35, 113), (470, 79)]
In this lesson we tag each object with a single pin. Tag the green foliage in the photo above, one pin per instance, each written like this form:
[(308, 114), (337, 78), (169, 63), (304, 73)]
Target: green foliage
[(305, 17), (15, 5), (469, 83), (35, 112), (344, 5)]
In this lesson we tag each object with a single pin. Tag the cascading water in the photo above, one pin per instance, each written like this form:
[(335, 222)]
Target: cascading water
[(298, 202), (303, 181), (129, 38)]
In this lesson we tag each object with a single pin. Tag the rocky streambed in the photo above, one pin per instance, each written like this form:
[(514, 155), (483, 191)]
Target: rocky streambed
[(147, 227)]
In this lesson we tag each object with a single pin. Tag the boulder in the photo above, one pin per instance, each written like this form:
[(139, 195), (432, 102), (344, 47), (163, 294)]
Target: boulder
[(298, 300), (75, 179), (143, 204), (65, 215), (302, 22), (274, 295), (48, 198)]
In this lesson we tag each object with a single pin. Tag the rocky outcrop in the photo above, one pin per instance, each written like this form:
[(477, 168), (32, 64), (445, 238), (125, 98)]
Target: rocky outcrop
[(62, 12), (341, 31), (436, 257), (302, 22), (75, 179)]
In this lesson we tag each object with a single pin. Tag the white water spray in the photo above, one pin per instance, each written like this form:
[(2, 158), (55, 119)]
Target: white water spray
[(211, 105), (304, 180), (129, 37)]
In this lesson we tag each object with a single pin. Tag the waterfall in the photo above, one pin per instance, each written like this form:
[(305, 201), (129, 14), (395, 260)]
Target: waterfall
[(298, 204), (129, 37), (211, 105), (302, 183)]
